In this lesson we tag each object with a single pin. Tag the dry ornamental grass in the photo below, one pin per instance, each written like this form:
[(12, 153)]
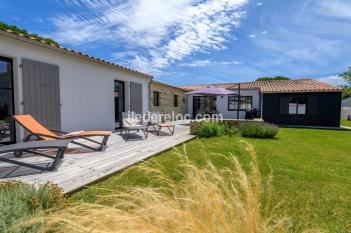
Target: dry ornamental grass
[(207, 200)]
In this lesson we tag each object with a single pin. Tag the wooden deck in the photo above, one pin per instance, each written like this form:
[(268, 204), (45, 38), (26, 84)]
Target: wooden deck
[(81, 168)]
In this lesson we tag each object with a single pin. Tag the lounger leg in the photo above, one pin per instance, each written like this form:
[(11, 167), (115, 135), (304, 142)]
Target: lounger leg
[(59, 155), (146, 133), (158, 130), (171, 130), (28, 137), (53, 166), (103, 143), (155, 129), (101, 147)]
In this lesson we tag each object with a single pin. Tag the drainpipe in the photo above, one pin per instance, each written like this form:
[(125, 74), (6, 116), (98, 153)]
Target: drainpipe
[(239, 101), (261, 114), (149, 95)]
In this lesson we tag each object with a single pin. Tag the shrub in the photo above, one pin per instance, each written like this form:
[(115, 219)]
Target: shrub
[(230, 131), (258, 130), (215, 129), (20, 201), (211, 129)]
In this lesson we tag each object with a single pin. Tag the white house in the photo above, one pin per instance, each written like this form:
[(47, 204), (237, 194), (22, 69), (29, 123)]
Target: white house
[(63, 88), (346, 102), (346, 108), (225, 105), (285, 102)]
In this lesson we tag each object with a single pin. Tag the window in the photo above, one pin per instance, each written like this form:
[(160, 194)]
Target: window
[(245, 103), (297, 105), (204, 105), (175, 101), (119, 102), (156, 98), (6, 101)]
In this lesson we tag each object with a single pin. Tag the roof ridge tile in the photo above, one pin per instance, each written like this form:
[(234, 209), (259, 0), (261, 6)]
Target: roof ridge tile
[(75, 52)]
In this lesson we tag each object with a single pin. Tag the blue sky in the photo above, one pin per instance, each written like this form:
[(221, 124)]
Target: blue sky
[(199, 41)]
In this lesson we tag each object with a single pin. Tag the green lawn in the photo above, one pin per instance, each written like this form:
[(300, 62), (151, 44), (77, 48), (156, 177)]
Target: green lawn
[(345, 123), (311, 173)]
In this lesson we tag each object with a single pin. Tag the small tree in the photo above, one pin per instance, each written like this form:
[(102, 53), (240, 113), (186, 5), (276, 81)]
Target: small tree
[(346, 92), (272, 78), (347, 76)]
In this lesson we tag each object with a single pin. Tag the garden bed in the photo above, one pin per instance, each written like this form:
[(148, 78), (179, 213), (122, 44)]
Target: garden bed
[(196, 124)]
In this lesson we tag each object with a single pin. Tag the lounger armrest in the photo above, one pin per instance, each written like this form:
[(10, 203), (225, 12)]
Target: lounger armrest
[(60, 132), (42, 135)]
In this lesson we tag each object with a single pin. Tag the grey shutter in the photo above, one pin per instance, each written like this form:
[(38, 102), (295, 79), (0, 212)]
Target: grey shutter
[(136, 97), (313, 106), (41, 92), (284, 105)]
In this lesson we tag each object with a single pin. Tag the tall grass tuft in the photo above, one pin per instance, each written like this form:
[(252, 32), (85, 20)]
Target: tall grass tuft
[(207, 200)]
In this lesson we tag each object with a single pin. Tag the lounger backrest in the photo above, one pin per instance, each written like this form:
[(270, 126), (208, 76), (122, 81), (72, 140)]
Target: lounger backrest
[(155, 118), (129, 119), (33, 126)]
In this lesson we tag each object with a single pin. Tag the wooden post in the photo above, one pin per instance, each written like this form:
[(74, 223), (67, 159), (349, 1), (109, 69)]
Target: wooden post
[(239, 101)]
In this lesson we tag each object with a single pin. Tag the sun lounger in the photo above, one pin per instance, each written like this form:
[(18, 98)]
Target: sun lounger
[(36, 148), (157, 123), (131, 123), (38, 131)]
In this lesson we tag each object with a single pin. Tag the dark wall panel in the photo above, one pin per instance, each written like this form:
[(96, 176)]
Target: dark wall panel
[(323, 109)]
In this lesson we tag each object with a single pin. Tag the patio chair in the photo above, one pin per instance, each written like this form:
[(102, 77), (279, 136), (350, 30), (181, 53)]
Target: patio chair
[(157, 123), (38, 131), (35, 147), (131, 123)]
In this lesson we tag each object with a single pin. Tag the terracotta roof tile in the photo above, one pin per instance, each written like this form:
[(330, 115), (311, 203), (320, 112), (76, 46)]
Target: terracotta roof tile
[(275, 86), (168, 85), (46, 44)]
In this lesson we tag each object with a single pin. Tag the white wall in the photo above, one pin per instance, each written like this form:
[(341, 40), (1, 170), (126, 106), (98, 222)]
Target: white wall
[(222, 104), (346, 102), (345, 112), (86, 87)]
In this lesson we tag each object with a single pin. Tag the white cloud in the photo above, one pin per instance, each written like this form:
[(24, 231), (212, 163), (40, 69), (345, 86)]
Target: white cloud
[(208, 62), (121, 55), (264, 32), (252, 36), (334, 80), (334, 8), (259, 4), (137, 22), (166, 31)]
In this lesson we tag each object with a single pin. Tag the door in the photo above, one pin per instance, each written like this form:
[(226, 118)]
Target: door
[(7, 129), (119, 102), (41, 92), (204, 105), (136, 97)]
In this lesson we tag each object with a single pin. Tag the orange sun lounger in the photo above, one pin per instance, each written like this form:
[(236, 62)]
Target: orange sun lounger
[(40, 132)]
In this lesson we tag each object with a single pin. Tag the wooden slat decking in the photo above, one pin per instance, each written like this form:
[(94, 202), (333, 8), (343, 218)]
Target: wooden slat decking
[(80, 169)]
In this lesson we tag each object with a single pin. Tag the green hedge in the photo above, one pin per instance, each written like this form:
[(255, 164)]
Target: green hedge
[(19, 202), (258, 130)]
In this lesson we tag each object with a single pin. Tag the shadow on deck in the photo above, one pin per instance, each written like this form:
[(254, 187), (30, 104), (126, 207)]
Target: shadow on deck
[(80, 167)]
